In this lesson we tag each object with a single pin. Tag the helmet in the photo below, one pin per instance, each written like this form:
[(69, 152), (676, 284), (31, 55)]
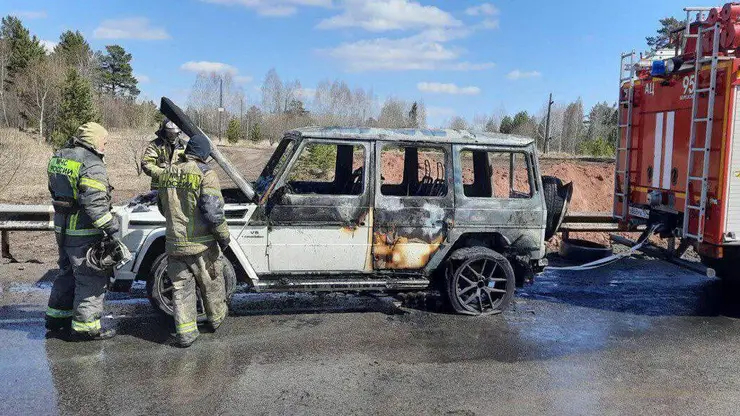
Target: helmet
[(169, 130), (106, 255)]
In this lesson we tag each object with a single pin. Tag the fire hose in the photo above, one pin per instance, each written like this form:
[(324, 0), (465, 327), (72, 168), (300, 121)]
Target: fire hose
[(644, 239)]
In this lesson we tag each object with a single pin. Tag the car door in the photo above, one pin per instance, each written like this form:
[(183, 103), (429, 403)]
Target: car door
[(319, 214), (413, 204)]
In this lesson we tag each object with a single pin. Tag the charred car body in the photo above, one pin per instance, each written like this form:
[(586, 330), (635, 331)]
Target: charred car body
[(349, 209)]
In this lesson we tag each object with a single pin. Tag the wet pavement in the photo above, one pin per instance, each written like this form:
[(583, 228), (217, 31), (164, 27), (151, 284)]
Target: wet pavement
[(640, 337)]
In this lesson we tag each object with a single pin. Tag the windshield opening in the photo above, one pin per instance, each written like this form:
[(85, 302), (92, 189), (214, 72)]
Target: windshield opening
[(274, 165)]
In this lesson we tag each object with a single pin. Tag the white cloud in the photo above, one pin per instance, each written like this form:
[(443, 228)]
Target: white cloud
[(143, 79), (439, 88), (129, 28), (517, 74), (485, 9), (385, 15), (48, 45), (244, 79), (469, 66), (489, 24), (274, 8), (424, 51), (30, 14), (207, 66)]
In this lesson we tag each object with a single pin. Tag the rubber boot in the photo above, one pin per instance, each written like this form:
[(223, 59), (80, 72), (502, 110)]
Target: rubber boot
[(215, 324), (104, 334), (186, 340), (58, 324)]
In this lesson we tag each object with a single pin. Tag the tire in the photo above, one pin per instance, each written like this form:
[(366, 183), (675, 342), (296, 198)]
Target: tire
[(584, 251), (478, 281), (557, 200), (158, 287)]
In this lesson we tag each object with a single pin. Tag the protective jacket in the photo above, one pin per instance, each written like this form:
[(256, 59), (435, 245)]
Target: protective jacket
[(158, 156), (80, 190), (191, 201)]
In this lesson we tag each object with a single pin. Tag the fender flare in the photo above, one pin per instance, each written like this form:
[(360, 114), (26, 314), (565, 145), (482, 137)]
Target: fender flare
[(142, 252), (244, 262)]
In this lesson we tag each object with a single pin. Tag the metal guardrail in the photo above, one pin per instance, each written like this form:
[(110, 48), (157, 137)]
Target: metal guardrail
[(23, 218)]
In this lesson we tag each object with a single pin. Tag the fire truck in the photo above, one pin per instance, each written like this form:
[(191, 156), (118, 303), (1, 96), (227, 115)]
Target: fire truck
[(678, 155)]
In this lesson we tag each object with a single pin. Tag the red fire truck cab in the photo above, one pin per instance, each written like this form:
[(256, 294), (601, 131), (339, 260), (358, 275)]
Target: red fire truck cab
[(678, 156)]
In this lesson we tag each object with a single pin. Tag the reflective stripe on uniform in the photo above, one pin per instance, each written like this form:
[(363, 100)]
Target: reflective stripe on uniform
[(79, 233), (93, 326), (103, 220), (58, 313), (92, 183), (187, 327)]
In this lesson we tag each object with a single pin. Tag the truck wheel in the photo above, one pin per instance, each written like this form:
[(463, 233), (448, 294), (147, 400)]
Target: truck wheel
[(557, 199), (479, 281), (159, 286)]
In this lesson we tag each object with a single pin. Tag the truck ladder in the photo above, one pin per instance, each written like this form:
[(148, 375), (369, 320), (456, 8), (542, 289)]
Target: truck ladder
[(626, 66), (707, 120)]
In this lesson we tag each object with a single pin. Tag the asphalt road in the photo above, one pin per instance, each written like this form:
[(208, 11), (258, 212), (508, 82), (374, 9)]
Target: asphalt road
[(642, 337)]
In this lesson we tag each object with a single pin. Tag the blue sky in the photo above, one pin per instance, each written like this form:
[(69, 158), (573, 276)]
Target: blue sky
[(461, 57)]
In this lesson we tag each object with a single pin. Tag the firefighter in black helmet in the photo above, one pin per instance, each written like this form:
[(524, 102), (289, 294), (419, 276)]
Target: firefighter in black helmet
[(162, 151)]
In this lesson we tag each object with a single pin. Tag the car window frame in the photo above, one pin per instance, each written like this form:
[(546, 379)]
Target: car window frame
[(448, 165)]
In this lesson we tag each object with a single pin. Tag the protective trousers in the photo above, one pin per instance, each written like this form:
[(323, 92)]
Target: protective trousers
[(205, 270), (78, 291)]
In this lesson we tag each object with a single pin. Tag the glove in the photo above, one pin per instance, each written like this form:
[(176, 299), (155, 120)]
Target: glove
[(224, 243)]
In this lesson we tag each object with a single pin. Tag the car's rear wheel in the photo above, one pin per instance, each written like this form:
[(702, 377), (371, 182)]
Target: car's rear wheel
[(479, 281), (159, 286)]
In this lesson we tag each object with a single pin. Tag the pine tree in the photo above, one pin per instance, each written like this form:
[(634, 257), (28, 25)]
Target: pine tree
[(663, 37), (507, 125), (255, 134), (232, 133), (76, 107), (73, 48), (116, 74), (24, 48)]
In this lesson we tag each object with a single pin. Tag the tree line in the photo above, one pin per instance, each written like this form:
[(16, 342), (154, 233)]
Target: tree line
[(285, 105), (572, 130), (52, 92)]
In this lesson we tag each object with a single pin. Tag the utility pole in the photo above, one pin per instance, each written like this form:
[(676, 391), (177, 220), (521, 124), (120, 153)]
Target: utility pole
[(550, 102), (241, 115), (220, 106)]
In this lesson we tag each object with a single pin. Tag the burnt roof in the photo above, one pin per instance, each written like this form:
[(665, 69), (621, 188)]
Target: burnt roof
[(412, 135)]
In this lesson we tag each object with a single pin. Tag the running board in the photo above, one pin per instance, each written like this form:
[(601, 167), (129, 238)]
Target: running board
[(663, 254), (285, 285)]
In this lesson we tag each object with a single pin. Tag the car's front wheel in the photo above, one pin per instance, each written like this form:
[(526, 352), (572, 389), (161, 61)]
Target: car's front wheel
[(159, 286), (479, 281)]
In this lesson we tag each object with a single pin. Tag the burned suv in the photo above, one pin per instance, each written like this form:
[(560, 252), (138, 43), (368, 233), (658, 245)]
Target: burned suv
[(364, 209)]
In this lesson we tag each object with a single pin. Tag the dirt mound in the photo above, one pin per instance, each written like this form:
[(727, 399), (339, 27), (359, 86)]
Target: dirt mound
[(593, 183)]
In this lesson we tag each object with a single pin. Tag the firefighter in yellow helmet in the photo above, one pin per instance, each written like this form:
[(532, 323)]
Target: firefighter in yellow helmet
[(162, 151), (81, 195), (190, 199)]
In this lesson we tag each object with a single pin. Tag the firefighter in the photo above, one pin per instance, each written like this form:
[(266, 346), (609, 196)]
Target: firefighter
[(162, 151), (81, 195), (190, 199)]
